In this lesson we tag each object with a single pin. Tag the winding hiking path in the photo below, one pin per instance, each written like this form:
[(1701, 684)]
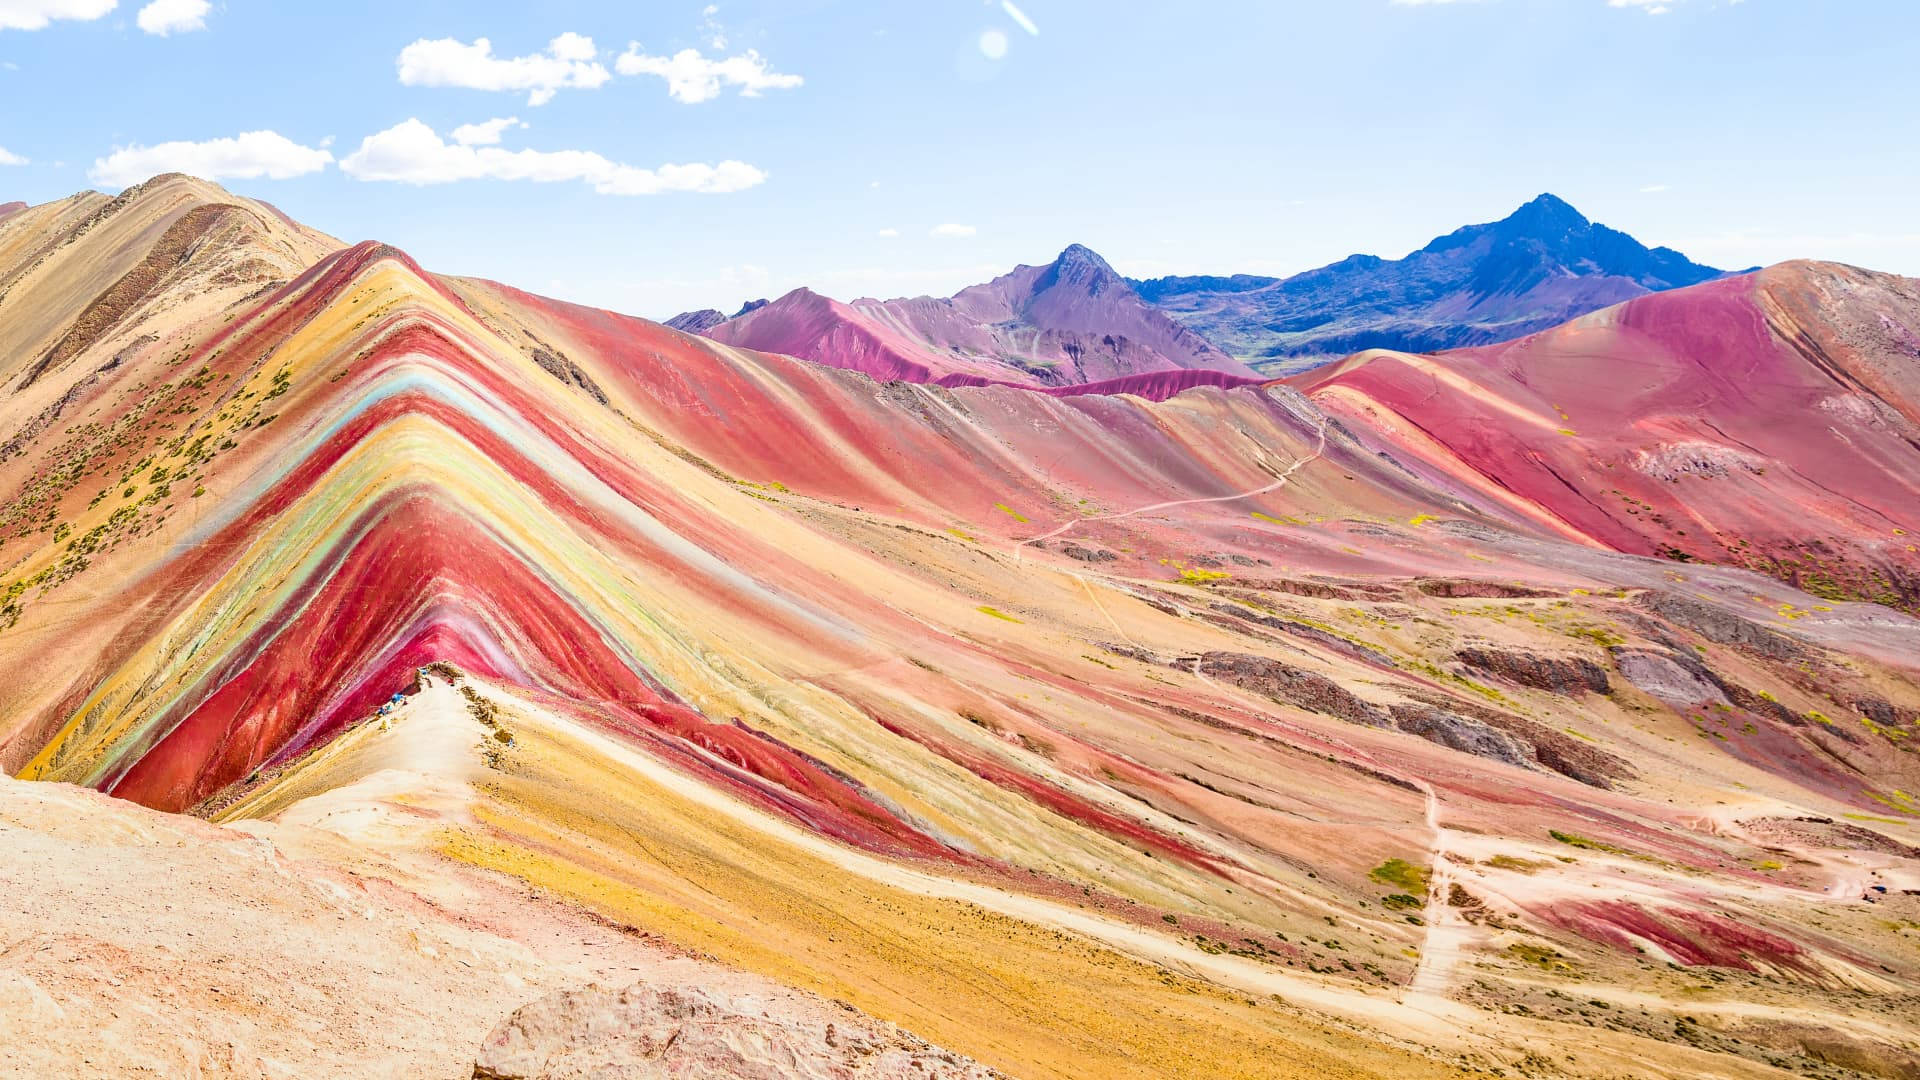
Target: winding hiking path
[(1446, 932), (1319, 449)]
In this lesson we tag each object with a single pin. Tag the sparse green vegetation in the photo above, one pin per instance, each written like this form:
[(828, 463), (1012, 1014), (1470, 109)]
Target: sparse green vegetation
[(1402, 873), (1587, 844), (1540, 956)]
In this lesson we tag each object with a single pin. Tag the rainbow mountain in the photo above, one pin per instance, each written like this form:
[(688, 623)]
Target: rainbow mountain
[(1549, 702)]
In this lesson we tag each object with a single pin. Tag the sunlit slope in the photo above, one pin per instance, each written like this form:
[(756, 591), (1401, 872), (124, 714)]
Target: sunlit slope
[(1770, 421), (1066, 731)]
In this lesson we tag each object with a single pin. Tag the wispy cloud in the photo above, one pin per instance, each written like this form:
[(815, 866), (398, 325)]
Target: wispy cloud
[(164, 17), (9, 158), (951, 232), (711, 27), (413, 153), (889, 234), (1653, 189), (1020, 17), (693, 78), (247, 156), (568, 63)]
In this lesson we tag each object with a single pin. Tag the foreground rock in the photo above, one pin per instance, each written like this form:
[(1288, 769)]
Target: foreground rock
[(649, 1031)]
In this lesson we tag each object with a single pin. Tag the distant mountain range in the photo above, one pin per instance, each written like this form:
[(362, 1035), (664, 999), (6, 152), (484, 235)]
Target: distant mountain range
[(1075, 321), (1541, 266), (1070, 322)]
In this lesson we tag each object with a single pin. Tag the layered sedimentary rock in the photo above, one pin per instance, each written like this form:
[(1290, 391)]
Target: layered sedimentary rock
[(1765, 421), (1008, 717)]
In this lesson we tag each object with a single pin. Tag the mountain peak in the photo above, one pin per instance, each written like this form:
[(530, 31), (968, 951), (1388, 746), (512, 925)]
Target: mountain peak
[(1082, 267), (1080, 253), (1546, 214), (1539, 266)]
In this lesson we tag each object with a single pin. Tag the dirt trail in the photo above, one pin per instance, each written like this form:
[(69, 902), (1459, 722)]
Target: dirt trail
[(1287, 474), (1447, 932)]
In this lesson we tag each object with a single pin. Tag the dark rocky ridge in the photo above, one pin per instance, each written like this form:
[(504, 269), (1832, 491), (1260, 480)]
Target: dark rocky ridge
[(1540, 266)]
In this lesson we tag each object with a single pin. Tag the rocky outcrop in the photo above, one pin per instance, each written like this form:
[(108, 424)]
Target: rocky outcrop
[(1568, 675), (1087, 554), (1462, 733), (1291, 685), (1471, 589), (1331, 640), (1665, 677), (1886, 713), (646, 1031), (1323, 588), (1550, 748), (1721, 626), (1681, 681), (564, 369), (1470, 729), (697, 322)]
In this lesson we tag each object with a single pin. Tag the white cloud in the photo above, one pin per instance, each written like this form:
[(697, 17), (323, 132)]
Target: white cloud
[(889, 234), (1020, 17), (711, 26), (692, 78), (9, 158), (567, 63), (486, 134), (165, 17), (412, 153), (36, 14), (247, 156), (1653, 189), (952, 232)]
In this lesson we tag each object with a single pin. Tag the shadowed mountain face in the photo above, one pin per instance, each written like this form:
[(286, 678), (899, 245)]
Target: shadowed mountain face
[(1071, 322), (1067, 731), (1537, 268)]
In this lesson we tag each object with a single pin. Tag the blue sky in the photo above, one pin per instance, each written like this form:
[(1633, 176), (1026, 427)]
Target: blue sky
[(903, 148)]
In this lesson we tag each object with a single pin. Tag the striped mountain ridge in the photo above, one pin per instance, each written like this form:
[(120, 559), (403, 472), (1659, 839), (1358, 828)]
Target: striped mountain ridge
[(980, 708)]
